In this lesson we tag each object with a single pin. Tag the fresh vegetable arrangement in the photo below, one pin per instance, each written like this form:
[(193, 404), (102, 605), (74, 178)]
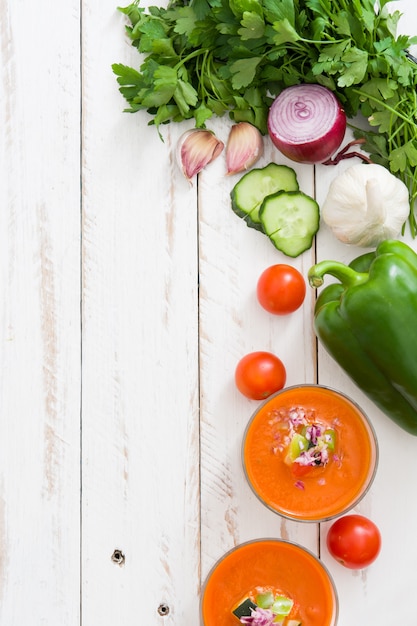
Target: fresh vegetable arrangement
[(206, 58), (298, 70), (366, 322)]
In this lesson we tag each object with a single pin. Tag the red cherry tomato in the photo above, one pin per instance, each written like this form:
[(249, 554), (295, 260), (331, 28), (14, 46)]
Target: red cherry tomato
[(260, 374), (354, 541), (281, 289)]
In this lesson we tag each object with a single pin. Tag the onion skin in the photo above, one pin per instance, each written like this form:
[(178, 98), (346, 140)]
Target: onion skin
[(307, 123)]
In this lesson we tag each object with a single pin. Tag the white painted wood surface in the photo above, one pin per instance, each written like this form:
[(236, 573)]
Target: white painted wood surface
[(127, 298)]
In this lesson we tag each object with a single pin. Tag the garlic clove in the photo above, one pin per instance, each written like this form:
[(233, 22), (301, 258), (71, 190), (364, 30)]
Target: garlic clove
[(244, 147), (197, 148)]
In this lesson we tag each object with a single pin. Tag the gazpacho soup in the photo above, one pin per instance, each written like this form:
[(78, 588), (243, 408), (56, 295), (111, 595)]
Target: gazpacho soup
[(268, 582), (309, 453)]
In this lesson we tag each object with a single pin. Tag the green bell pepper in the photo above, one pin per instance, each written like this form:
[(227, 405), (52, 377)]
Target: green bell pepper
[(368, 323)]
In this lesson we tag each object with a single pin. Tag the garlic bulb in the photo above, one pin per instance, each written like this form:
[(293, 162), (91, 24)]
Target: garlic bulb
[(365, 205), (244, 147), (197, 148)]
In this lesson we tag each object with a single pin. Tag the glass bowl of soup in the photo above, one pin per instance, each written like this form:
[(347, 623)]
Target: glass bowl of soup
[(274, 580), (310, 453)]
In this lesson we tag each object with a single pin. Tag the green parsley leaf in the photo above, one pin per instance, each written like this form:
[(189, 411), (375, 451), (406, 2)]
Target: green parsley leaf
[(165, 83), (397, 160), (243, 71), (356, 63), (277, 10), (410, 149), (253, 26), (286, 33), (202, 113), (127, 75), (185, 96), (239, 7), (185, 20)]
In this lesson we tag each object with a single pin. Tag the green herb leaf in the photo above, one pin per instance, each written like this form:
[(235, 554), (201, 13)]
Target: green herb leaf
[(356, 63), (286, 33), (253, 26), (277, 10), (244, 71)]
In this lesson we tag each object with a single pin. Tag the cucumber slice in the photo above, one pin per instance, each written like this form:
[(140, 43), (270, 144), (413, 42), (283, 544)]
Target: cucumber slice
[(290, 219), (251, 190)]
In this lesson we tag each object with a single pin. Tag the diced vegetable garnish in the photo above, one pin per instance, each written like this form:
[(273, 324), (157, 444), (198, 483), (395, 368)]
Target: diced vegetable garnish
[(298, 444), (282, 606), (265, 600), (329, 438), (244, 608)]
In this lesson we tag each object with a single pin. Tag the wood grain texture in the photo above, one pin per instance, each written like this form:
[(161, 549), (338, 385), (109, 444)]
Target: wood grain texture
[(40, 316), (128, 297), (232, 324), (140, 354)]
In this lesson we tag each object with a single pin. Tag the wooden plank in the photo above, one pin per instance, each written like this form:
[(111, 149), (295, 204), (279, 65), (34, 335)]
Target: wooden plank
[(140, 353), (40, 314), (232, 324)]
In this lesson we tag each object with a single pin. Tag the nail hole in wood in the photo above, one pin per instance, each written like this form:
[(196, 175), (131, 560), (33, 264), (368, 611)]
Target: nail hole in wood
[(118, 557), (163, 609)]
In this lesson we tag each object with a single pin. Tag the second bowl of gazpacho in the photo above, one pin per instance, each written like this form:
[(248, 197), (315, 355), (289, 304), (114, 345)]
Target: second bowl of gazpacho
[(310, 453), (269, 582)]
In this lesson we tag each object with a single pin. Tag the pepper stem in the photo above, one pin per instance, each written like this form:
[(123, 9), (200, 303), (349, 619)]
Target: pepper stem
[(347, 275)]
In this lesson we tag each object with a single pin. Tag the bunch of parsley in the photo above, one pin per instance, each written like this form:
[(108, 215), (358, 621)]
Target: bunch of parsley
[(201, 58)]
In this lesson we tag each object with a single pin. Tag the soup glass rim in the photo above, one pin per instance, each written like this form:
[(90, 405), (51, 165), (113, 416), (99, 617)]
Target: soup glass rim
[(276, 540), (373, 439)]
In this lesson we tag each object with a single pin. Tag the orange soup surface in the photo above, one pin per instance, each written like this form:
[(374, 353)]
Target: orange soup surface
[(309, 453), (270, 564)]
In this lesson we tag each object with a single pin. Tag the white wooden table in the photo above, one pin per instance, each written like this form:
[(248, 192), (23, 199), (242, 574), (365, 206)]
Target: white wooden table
[(127, 298)]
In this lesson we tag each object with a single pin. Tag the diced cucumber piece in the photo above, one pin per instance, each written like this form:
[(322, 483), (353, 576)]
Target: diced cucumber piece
[(251, 190), (329, 438), (264, 600), (244, 608), (290, 219), (282, 606), (298, 444)]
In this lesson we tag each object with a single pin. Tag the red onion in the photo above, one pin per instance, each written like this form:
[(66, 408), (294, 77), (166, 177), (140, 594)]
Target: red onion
[(307, 123)]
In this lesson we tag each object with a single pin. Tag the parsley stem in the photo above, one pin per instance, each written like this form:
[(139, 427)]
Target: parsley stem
[(386, 106), (190, 56)]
